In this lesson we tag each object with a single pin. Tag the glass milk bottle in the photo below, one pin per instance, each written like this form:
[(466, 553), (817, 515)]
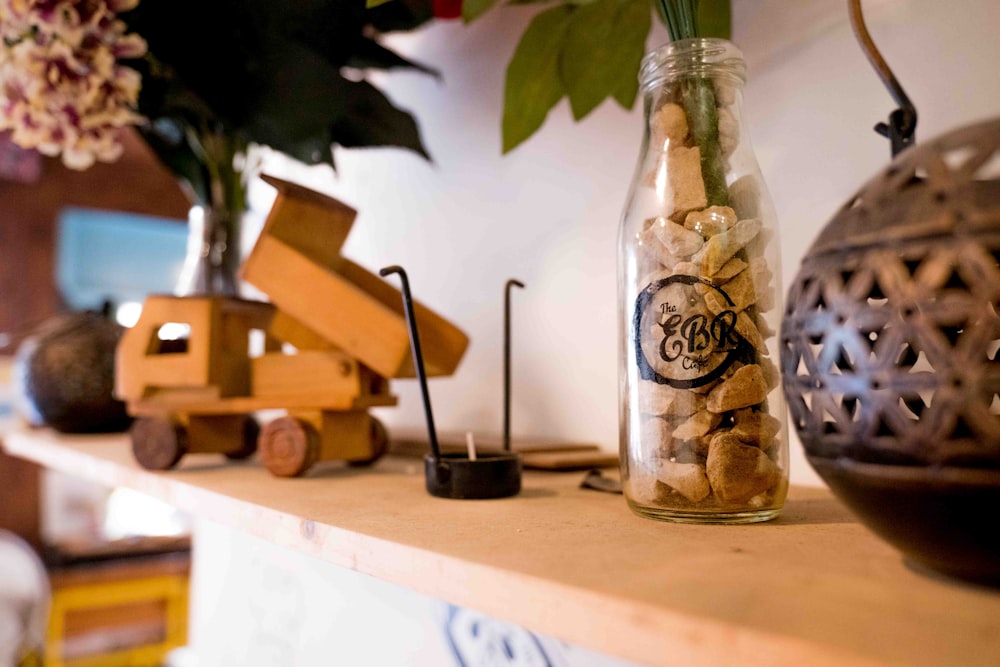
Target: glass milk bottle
[(702, 422)]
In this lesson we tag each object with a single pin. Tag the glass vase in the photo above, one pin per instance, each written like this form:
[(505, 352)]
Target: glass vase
[(703, 433), (212, 260)]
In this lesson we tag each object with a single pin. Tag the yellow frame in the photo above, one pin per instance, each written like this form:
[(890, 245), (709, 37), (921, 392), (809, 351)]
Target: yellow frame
[(172, 589)]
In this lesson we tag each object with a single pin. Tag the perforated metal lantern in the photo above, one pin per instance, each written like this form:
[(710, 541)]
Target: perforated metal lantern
[(890, 353)]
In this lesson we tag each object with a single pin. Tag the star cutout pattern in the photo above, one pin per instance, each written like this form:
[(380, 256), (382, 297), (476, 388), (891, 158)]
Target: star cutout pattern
[(890, 339)]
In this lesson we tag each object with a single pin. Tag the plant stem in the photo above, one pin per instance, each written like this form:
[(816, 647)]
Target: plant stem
[(698, 99), (681, 18)]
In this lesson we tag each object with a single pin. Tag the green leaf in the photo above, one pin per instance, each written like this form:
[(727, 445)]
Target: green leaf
[(390, 16), (533, 85), (166, 138), (473, 9), (371, 54), (301, 96), (372, 120), (627, 89), (604, 45), (715, 18), (375, 3)]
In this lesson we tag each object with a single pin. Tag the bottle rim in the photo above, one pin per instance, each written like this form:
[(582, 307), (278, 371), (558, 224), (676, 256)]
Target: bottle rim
[(700, 56)]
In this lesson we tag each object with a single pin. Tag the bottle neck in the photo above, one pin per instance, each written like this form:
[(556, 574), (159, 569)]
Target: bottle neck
[(702, 57)]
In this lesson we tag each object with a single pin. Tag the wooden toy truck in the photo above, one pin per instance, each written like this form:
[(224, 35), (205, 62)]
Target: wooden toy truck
[(333, 337)]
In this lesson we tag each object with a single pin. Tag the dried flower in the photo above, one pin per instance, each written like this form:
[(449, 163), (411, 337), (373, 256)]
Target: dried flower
[(62, 89)]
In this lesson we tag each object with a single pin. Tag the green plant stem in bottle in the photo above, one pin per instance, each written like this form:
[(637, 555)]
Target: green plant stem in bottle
[(698, 100)]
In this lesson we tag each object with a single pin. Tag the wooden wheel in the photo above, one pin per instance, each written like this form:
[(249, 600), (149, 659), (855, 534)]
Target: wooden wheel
[(251, 434), (158, 443), (380, 444), (288, 446)]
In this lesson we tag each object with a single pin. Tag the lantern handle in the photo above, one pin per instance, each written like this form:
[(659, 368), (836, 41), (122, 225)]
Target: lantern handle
[(902, 125)]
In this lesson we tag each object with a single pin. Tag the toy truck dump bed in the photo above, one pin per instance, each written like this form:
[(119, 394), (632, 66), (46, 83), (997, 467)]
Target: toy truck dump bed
[(297, 263)]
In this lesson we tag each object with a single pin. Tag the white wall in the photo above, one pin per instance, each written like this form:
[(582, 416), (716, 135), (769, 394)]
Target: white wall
[(547, 213)]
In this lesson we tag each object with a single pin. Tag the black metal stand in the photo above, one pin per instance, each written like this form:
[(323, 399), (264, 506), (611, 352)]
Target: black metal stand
[(456, 475), (506, 360)]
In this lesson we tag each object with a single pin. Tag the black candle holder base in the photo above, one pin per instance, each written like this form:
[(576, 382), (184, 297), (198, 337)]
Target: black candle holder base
[(489, 476)]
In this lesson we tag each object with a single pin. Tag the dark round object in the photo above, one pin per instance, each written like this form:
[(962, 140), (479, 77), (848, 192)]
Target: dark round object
[(489, 476), (251, 433), (158, 443), (380, 445), (936, 516), (288, 446), (889, 353), (65, 374)]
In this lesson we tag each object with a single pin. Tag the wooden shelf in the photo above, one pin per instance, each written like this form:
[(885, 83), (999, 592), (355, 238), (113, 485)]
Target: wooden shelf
[(813, 587)]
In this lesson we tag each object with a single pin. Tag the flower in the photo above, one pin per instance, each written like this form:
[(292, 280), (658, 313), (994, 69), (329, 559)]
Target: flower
[(63, 89)]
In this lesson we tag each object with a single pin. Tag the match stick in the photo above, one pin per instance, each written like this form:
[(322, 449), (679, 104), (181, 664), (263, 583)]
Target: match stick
[(470, 443)]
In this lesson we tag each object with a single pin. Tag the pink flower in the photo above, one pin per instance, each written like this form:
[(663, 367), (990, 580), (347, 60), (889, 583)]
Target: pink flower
[(62, 89)]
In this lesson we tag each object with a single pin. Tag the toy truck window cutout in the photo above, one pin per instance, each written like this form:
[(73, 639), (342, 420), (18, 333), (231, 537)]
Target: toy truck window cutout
[(333, 337)]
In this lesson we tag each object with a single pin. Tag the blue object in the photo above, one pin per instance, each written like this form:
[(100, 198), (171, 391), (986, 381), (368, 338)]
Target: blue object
[(117, 257)]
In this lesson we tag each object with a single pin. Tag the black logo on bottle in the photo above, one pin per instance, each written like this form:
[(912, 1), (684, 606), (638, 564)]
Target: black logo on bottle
[(678, 340)]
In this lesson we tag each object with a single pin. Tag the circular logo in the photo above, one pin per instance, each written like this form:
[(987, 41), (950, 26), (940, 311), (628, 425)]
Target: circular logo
[(678, 340)]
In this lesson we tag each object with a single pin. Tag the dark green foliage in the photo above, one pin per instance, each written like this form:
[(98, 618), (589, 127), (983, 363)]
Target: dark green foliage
[(221, 74)]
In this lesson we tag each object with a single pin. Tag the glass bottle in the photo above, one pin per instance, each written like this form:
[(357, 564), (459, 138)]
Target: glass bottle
[(703, 429)]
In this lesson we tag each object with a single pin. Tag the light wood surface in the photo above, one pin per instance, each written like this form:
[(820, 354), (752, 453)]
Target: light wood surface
[(813, 587)]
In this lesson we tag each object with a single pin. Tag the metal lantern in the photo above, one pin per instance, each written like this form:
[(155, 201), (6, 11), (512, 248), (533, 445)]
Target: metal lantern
[(889, 353)]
